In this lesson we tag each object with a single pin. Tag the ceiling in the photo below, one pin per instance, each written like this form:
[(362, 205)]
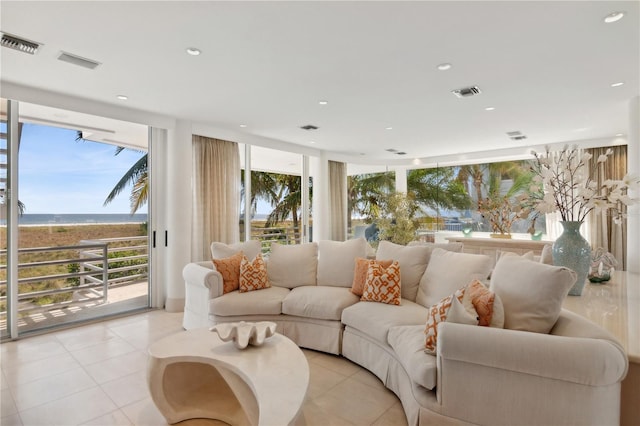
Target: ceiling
[(546, 68)]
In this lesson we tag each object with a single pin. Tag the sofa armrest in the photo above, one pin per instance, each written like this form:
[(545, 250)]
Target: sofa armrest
[(203, 274), (534, 376), (202, 283)]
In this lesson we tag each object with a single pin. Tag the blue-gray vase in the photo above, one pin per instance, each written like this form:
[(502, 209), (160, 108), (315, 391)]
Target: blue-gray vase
[(573, 251)]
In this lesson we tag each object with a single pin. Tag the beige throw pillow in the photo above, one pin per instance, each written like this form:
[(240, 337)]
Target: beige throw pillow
[(448, 271), (532, 293), (413, 261), (293, 266), (248, 248), (336, 261)]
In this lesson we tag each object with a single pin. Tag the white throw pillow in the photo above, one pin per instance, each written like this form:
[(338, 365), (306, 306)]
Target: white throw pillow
[(248, 248), (293, 266), (457, 247), (546, 256), (532, 293), (448, 271), (413, 261), (337, 259)]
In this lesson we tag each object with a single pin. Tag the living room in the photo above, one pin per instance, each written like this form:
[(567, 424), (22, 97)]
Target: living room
[(376, 79)]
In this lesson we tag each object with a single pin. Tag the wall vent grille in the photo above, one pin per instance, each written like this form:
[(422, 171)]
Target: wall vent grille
[(466, 92), (78, 60)]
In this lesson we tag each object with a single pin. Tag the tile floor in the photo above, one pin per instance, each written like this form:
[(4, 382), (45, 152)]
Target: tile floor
[(96, 375)]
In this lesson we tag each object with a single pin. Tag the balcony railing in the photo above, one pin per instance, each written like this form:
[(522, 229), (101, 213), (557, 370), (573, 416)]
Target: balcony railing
[(76, 274)]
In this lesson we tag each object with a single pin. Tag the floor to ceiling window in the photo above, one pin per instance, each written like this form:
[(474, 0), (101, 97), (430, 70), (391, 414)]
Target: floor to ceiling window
[(82, 234), (4, 161)]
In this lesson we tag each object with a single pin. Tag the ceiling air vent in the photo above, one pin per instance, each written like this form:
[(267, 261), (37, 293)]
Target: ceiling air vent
[(19, 44), (78, 60), (465, 92), (516, 136), (309, 127)]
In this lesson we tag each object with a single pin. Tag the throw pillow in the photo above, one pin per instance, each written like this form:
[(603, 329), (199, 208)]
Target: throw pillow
[(450, 309), (532, 293), (413, 261), (382, 284), (360, 273), (249, 248), (546, 256), (448, 271), (336, 260), (483, 300), (294, 265), (253, 274), (229, 268)]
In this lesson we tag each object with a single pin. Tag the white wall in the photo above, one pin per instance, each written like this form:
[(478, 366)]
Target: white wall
[(633, 166)]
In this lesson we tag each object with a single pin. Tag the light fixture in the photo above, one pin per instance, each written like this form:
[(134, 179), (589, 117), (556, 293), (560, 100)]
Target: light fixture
[(444, 66), (619, 135), (618, 84), (193, 51), (613, 17), (323, 102), (312, 142), (490, 108), (122, 97), (388, 128), (243, 125)]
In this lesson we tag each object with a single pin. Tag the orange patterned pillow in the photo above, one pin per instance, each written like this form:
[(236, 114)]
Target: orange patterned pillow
[(450, 309), (382, 284), (229, 268), (360, 273), (253, 274), (482, 299)]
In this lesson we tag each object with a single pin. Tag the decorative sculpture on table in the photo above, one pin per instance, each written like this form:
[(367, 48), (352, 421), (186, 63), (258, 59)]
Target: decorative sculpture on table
[(245, 333), (602, 265)]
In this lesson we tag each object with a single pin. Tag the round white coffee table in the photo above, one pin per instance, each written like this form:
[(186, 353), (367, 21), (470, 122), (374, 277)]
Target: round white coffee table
[(193, 374)]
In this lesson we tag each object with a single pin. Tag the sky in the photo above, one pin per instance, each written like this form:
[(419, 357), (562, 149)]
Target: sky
[(60, 175)]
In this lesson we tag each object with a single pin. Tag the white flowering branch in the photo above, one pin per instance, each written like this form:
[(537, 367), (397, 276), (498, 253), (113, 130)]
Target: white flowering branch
[(565, 183)]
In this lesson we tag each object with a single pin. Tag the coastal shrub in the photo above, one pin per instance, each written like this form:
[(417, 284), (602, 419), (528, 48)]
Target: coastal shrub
[(72, 268)]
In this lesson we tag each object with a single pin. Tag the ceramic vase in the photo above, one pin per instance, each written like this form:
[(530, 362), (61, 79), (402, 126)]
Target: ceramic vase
[(573, 251)]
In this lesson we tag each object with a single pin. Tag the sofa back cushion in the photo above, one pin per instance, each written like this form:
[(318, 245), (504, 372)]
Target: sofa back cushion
[(248, 248), (337, 259), (532, 292), (293, 266), (447, 272), (413, 261)]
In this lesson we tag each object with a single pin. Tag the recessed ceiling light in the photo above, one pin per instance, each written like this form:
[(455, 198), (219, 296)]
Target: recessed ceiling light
[(444, 67), (489, 108), (122, 97), (312, 142), (619, 135), (193, 51), (323, 102), (618, 84), (388, 128), (613, 17), (243, 125)]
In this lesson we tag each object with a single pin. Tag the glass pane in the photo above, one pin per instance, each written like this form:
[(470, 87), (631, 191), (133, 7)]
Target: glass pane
[(3, 217), (83, 253)]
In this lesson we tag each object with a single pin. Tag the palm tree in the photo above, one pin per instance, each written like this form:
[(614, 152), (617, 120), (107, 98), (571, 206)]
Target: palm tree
[(365, 193), (138, 176), (437, 189)]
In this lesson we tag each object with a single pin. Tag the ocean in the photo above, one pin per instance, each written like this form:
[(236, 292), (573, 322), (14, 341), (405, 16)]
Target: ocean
[(68, 219)]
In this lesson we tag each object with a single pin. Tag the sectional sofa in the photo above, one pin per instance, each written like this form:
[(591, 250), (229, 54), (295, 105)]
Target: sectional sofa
[(534, 363)]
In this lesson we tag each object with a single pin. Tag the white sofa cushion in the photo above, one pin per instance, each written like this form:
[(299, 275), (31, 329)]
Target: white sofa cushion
[(248, 248), (320, 302), (293, 266), (448, 271), (264, 302), (457, 247), (532, 293), (336, 261), (375, 319), (413, 261), (407, 342)]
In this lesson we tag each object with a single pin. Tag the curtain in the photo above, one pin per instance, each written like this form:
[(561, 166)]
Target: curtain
[(338, 200), (602, 231), (216, 194)]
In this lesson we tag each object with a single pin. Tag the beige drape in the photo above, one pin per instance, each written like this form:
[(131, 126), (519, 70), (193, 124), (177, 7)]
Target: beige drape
[(216, 194), (338, 200), (603, 232)]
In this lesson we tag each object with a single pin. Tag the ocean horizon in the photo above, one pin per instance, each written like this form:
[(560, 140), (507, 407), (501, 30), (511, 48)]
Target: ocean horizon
[(80, 218)]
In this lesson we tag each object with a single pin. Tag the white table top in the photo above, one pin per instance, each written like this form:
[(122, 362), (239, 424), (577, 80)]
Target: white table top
[(277, 372), (615, 306)]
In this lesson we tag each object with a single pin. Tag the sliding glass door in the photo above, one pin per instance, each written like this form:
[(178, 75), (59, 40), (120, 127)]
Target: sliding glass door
[(82, 229)]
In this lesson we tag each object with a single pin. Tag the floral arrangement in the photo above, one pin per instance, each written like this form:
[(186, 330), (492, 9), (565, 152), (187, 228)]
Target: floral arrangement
[(565, 183)]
